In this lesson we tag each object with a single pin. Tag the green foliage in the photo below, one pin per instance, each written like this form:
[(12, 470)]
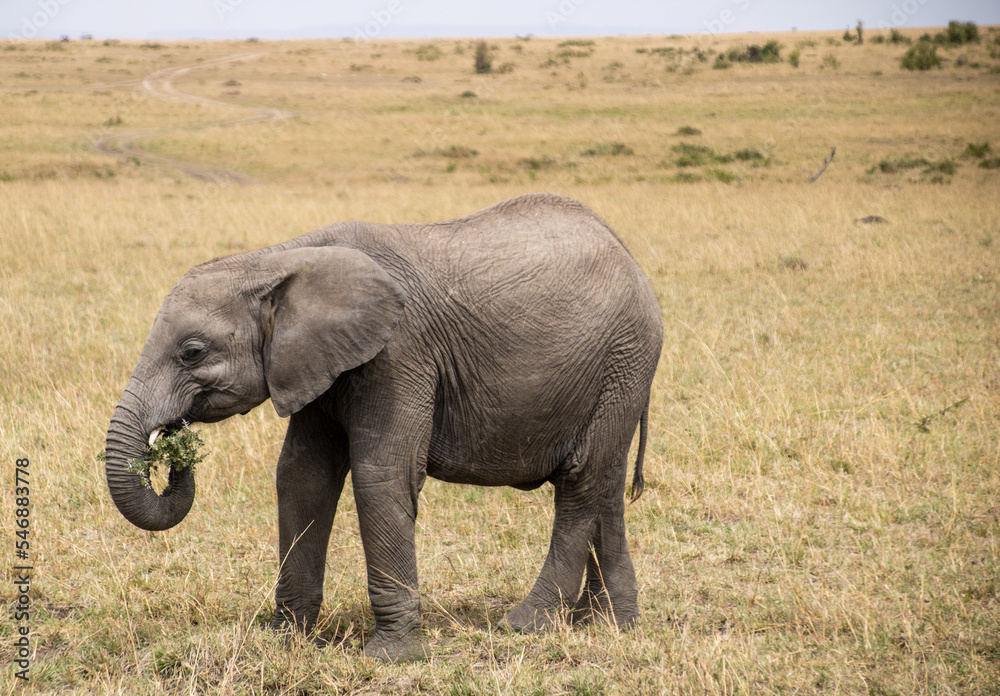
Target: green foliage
[(608, 150), (895, 166), (793, 58), (177, 450), (749, 154), (576, 42), (695, 155), (898, 37), (977, 150), (700, 155), (768, 53), (428, 52), (990, 163), (484, 60), (958, 33), (451, 152), (468, 94), (688, 130), (831, 61), (922, 56)]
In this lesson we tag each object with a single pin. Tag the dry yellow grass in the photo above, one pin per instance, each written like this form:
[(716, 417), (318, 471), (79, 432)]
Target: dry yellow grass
[(823, 500)]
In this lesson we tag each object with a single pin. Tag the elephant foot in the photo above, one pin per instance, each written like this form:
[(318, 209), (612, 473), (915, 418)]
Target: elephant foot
[(285, 621), (598, 608), (527, 618), (385, 647)]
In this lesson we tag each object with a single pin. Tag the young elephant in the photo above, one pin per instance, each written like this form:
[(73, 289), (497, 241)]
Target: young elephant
[(512, 347)]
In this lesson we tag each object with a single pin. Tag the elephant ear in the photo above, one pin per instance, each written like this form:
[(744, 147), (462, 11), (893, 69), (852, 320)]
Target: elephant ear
[(325, 310)]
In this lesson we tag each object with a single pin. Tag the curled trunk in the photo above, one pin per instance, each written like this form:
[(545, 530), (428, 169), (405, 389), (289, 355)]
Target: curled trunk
[(140, 505)]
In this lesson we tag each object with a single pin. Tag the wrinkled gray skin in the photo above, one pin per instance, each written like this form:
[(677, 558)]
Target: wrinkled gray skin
[(512, 347)]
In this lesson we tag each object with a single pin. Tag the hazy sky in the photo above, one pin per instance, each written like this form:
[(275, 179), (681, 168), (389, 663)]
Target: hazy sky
[(410, 18)]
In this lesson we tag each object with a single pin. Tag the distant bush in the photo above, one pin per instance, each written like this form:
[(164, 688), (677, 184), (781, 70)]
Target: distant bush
[(768, 53), (889, 166), (958, 33), (749, 154), (428, 52), (897, 37), (468, 94), (608, 150), (977, 150), (576, 42), (484, 61), (451, 152), (922, 56), (688, 130), (831, 61), (696, 155), (793, 58), (990, 163)]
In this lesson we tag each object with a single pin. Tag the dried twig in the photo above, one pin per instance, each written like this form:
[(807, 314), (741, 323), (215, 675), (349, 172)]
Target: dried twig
[(826, 163)]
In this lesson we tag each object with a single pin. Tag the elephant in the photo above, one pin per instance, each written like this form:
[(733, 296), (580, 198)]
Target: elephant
[(515, 346)]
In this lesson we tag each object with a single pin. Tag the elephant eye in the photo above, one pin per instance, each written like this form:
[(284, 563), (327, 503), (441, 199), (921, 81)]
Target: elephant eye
[(190, 354)]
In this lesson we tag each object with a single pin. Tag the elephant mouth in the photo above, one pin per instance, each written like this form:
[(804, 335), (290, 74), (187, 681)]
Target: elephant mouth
[(167, 430)]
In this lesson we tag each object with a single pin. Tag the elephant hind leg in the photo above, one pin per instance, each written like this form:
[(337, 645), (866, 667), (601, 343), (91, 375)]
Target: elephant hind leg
[(610, 592), (589, 512)]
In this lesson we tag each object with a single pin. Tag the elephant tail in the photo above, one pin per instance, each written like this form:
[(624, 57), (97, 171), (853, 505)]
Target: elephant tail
[(638, 484)]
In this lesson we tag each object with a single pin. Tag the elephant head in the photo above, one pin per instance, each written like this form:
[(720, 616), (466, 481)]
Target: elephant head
[(281, 324)]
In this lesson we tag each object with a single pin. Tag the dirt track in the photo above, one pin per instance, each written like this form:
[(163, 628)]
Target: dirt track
[(160, 84)]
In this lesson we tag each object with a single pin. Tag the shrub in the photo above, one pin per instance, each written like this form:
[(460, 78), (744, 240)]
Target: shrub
[(688, 130), (484, 61), (576, 42), (990, 163), (768, 53), (468, 94), (958, 33), (693, 155), (977, 150), (793, 58), (749, 154), (888, 166), (428, 52), (923, 56), (947, 167), (830, 61), (897, 37), (608, 150)]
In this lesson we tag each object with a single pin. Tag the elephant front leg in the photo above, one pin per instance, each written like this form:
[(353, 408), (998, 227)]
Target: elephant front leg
[(387, 515), (311, 471)]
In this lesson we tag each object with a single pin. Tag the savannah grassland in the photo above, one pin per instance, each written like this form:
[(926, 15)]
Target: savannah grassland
[(822, 510)]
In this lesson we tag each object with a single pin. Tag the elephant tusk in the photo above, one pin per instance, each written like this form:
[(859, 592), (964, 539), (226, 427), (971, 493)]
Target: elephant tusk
[(153, 436)]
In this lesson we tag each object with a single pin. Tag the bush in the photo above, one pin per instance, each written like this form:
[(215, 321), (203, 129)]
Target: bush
[(897, 37), (923, 56), (688, 130), (958, 33), (608, 150), (768, 53), (428, 52), (977, 150), (990, 163), (484, 61), (793, 58)]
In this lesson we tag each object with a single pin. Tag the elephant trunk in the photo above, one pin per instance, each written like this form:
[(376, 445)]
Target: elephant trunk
[(139, 504)]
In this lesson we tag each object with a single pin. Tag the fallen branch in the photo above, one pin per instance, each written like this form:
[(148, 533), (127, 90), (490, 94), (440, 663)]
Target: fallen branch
[(826, 163)]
